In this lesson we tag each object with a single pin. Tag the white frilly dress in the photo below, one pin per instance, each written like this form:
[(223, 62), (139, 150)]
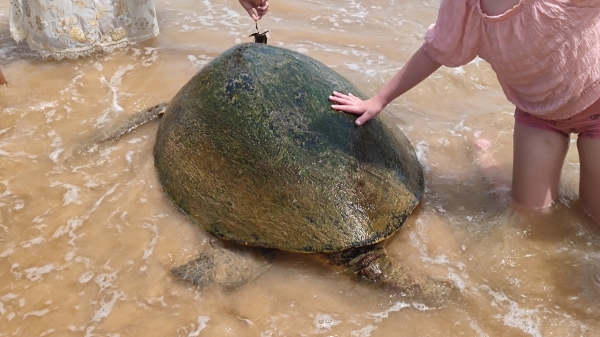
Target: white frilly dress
[(74, 28)]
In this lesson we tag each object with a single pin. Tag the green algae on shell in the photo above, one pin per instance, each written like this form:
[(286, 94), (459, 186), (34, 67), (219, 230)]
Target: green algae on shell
[(250, 150)]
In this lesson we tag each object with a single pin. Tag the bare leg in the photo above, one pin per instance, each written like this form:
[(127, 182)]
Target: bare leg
[(537, 163), (489, 166), (589, 179), (3, 80)]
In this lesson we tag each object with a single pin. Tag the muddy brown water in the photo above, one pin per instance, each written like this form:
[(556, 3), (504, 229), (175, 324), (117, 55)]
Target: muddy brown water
[(86, 242)]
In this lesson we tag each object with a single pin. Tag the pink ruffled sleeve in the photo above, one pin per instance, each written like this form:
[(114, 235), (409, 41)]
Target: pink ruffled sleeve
[(454, 39)]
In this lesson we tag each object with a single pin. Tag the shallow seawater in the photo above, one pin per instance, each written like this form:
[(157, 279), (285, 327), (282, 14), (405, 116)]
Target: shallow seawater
[(86, 242)]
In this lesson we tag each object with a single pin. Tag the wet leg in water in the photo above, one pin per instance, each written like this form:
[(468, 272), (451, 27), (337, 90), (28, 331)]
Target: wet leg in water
[(538, 159), (3, 80), (491, 169), (589, 179)]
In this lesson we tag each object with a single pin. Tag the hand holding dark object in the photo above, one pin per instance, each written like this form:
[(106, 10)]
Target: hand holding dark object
[(255, 8), (259, 37)]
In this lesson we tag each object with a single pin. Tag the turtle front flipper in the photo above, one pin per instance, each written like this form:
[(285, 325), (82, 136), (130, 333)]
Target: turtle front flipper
[(120, 129), (371, 264), (227, 267)]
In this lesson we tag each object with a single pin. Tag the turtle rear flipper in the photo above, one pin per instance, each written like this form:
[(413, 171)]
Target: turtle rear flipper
[(120, 129), (227, 267), (372, 265)]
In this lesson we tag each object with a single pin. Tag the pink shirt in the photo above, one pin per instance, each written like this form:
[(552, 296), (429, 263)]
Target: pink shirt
[(546, 53)]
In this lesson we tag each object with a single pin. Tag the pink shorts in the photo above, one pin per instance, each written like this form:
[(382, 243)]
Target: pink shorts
[(585, 123)]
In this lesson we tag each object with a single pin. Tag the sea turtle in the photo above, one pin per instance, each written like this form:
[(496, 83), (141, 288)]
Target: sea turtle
[(251, 152)]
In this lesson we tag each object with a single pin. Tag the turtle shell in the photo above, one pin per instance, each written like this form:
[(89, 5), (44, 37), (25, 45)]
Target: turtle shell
[(251, 151)]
